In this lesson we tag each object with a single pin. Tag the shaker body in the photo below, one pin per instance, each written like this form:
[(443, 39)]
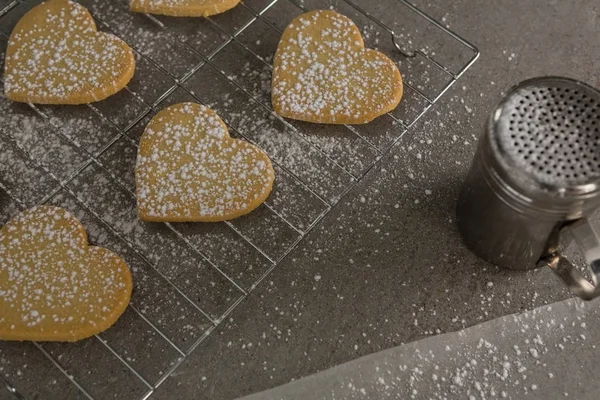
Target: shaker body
[(495, 230)]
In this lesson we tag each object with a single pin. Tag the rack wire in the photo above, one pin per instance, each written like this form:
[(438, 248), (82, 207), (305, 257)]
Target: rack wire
[(92, 176)]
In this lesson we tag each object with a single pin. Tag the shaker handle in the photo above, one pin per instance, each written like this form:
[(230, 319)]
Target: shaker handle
[(587, 239)]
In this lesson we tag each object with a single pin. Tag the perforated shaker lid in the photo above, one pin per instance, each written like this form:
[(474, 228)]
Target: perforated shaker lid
[(549, 129)]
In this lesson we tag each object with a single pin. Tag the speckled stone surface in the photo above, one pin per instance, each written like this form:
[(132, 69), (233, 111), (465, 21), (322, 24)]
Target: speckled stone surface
[(385, 268)]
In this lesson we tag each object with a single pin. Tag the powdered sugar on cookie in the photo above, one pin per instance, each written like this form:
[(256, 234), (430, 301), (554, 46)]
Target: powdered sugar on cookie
[(53, 286), (323, 73), (187, 8), (189, 169), (56, 56)]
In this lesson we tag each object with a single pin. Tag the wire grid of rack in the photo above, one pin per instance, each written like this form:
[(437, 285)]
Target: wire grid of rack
[(189, 277)]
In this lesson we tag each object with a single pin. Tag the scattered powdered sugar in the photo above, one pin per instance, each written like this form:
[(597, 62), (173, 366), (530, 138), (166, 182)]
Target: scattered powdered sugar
[(55, 53), (485, 361), (188, 168), (50, 280), (323, 73)]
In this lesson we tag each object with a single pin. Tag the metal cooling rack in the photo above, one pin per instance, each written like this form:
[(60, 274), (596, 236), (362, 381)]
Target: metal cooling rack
[(189, 277)]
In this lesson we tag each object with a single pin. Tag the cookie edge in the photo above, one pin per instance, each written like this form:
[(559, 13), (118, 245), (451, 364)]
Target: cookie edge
[(119, 84), (145, 146), (190, 11), (93, 330), (336, 120), (251, 207)]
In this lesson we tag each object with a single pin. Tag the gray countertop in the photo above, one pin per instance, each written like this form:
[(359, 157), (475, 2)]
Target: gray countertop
[(545, 353), (384, 268)]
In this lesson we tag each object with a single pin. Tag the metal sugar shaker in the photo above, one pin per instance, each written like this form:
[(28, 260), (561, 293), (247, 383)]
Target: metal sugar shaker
[(536, 175)]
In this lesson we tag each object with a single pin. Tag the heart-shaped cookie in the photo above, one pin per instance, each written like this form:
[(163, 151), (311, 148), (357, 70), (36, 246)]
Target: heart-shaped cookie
[(189, 169), (53, 286), (183, 8), (55, 55), (323, 73)]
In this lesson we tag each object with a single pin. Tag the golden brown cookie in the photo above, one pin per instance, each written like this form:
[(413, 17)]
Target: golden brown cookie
[(323, 73), (55, 55), (183, 8), (189, 169), (53, 286)]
